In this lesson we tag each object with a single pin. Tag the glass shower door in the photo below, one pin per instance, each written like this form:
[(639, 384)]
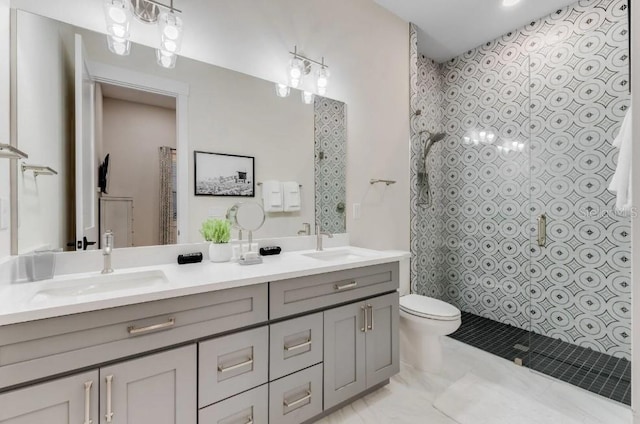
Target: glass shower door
[(580, 243)]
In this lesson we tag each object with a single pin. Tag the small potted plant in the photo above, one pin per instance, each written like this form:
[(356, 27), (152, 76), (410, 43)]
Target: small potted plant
[(218, 233)]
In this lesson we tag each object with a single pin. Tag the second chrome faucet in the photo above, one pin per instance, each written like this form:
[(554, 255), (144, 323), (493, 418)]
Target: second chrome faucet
[(319, 234)]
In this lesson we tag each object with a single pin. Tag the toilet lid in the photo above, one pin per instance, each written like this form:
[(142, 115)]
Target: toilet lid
[(428, 307)]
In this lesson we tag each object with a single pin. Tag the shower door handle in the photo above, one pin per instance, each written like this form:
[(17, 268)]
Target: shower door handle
[(542, 230)]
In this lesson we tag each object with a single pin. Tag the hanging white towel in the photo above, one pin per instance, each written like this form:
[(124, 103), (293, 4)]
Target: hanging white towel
[(272, 196), (621, 182), (291, 190)]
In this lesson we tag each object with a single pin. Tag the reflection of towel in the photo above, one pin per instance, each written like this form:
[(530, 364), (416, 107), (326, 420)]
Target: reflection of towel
[(621, 182), (272, 196), (291, 190)]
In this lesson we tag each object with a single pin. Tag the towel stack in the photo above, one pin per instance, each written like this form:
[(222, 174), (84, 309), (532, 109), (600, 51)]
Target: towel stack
[(281, 197), (621, 182)]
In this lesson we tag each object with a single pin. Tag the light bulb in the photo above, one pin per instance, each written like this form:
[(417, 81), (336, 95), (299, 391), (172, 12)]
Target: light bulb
[(296, 71), (483, 136), (170, 32), (322, 80), (117, 11), (282, 90), (491, 137), (166, 59), (120, 31), (307, 97), (466, 139)]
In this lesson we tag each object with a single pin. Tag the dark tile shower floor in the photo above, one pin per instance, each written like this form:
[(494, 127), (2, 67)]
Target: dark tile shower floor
[(599, 373)]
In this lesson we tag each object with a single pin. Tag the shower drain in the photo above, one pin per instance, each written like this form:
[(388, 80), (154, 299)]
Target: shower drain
[(522, 348)]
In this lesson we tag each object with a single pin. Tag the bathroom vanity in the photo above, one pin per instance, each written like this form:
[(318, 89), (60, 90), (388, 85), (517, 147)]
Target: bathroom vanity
[(284, 342)]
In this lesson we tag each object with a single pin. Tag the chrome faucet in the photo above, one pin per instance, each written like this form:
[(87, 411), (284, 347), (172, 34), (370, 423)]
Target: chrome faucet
[(319, 234), (107, 248)]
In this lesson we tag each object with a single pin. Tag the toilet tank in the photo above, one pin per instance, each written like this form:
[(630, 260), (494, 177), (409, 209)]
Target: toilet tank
[(405, 271)]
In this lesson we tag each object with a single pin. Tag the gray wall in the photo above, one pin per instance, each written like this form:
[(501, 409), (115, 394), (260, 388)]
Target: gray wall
[(561, 85)]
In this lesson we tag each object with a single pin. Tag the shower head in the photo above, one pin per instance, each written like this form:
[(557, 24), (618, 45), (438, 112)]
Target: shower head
[(437, 137)]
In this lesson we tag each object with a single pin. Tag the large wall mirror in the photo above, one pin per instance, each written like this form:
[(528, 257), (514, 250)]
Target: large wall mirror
[(111, 142)]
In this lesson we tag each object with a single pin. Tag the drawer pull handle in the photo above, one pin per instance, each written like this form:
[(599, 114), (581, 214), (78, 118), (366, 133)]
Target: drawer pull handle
[(370, 326), (235, 367), (87, 402), (299, 401), (135, 331), (348, 286), (298, 346), (109, 414)]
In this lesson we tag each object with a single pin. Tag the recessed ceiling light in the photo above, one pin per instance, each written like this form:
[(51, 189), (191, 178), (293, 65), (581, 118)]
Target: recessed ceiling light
[(509, 3)]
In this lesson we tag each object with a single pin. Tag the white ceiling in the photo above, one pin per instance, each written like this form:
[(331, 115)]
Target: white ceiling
[(448, 28), (137, 96)]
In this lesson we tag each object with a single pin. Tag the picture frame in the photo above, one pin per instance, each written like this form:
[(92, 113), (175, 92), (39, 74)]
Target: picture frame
[(224, 175)]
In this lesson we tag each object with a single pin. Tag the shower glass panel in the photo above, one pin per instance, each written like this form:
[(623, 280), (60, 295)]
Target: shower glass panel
[(580, 290)]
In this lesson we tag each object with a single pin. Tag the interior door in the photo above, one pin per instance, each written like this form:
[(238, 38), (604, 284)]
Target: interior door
[(86, 169)]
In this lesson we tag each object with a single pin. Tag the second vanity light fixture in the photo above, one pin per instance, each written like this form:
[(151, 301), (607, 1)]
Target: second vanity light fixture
[(489, 137), (118, 14), (301, 66)]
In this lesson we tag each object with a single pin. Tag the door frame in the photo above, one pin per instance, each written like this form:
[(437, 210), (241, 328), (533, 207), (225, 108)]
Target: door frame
[(103, 73)]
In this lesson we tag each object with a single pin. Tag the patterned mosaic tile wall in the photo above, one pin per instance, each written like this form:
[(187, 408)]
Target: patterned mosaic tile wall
[(331, 164), (561, 86)]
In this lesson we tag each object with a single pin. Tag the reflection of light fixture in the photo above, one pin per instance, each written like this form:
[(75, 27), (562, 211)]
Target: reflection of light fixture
[(307, 97), (166, 59), (118, 15), (282, 90), (300, 65)]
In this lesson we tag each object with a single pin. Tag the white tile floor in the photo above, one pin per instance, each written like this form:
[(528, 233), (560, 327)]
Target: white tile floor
[(409, 398)]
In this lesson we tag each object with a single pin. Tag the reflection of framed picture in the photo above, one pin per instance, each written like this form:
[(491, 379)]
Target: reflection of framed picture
[(218, 174)]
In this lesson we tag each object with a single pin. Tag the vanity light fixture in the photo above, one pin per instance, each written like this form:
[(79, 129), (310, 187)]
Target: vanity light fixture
[(118, 14), (300, 66)]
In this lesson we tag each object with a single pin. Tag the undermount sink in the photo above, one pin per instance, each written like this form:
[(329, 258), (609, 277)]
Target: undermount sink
[(335, 255), (101, 284)]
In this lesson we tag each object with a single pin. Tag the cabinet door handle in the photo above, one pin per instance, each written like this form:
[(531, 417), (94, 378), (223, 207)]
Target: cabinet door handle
[(305, 398), (348, 286), (249, 420), (87, 402), (135, 331), (235, 367), (370, 308), (298, 346), (109, 414), (364, 319)]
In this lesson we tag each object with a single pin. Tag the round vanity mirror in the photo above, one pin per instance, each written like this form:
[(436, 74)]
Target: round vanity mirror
[(246, 216)]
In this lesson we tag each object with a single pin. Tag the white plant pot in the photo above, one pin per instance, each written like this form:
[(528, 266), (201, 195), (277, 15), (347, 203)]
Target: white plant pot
[(220, 252)]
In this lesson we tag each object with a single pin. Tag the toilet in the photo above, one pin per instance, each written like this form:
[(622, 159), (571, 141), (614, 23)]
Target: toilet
[(423, 322)]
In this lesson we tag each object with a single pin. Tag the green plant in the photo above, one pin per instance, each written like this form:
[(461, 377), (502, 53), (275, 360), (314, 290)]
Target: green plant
[(216, 230)]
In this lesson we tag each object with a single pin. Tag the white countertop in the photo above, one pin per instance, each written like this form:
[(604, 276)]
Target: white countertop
[(20, 302)]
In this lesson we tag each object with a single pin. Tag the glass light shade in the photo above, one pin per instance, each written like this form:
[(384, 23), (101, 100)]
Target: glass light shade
[(307, 97), (119, 30), (170, 32), (282, 90), (117, 12), (296, 72), (491, 137), (166, 59), (322, 80), (119, 46)]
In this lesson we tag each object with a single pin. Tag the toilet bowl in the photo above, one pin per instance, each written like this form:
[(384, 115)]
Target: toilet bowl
[(423, 322)]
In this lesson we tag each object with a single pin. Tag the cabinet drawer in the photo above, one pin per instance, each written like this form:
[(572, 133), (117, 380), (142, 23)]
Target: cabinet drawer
[(248, 407), (304, 294), (232, 364), (296, 398), (37, 349), (295, 344)]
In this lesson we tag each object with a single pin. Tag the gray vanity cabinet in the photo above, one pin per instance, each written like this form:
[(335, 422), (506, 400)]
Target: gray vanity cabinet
[(69, 400), (158, 389), (360, 347)]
